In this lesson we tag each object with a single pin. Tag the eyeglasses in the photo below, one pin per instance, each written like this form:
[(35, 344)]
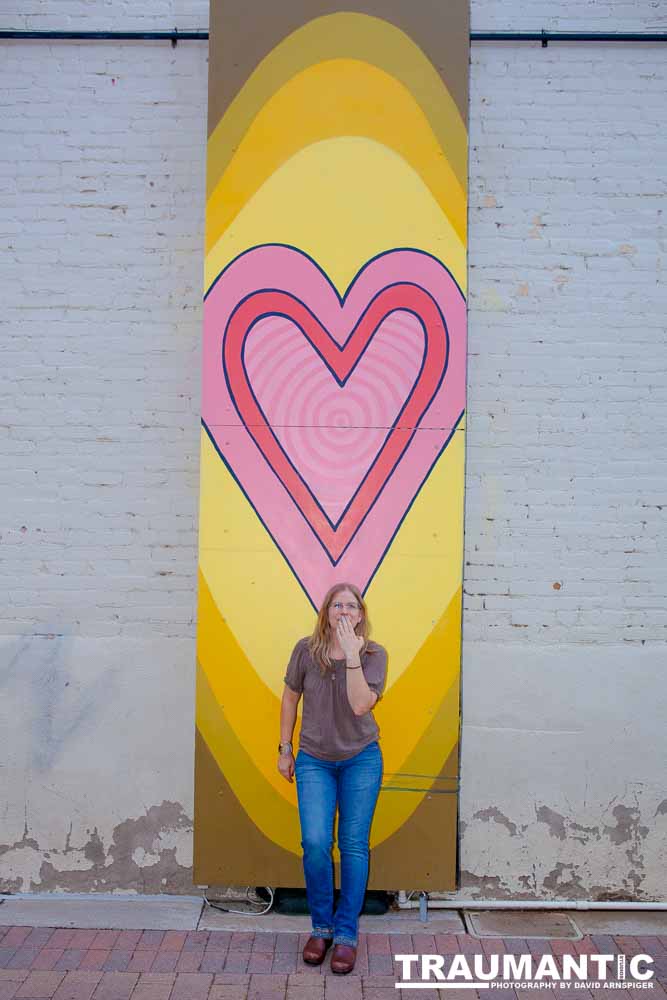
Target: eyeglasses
[(345, 607)]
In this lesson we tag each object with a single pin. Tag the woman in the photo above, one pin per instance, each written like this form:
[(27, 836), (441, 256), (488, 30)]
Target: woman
[(340, 674)]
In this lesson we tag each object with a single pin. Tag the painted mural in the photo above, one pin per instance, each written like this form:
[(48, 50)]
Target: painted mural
[(333, 409)]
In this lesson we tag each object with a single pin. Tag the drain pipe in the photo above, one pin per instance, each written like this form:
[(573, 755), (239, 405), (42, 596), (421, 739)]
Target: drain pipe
[(425, 903)]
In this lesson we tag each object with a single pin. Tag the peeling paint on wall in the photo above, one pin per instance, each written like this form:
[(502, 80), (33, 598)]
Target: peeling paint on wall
[(587, 832), (629, 830), (492, 813), (554, 821), (148, 854), (19, 847), (627, 826), (556, 857), (563, 881)]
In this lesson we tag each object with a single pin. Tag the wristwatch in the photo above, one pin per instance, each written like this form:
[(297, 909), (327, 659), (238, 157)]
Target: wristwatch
[(285, 748)]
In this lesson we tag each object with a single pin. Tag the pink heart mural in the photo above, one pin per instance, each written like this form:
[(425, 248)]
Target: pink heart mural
[(331, 412)]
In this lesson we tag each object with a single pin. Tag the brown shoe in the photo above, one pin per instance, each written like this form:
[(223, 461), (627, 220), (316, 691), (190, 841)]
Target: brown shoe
[(343, 958), (315, 949)]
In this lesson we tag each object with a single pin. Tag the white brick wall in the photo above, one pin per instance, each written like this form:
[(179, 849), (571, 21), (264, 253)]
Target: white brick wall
[(106, 15), (568, 354), (102, 227), (101, 230)]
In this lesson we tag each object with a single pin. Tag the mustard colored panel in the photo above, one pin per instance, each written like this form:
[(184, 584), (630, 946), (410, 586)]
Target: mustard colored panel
[(350, 36), (333, 399), (323, 102), (233, 540), (273, 813), (428, 552), (238, 722), (252, 711), (355, 198)]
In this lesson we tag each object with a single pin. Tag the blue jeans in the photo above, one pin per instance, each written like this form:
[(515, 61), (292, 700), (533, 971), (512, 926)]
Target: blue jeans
[(353, 785)]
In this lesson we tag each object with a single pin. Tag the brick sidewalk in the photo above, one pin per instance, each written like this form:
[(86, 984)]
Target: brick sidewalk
[(44, 963)]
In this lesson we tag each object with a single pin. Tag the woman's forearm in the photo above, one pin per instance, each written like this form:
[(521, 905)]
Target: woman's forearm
[(288, 707), (359, 695)]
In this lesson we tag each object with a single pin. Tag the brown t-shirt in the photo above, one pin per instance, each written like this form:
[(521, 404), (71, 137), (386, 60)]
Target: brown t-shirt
[(329, 728)]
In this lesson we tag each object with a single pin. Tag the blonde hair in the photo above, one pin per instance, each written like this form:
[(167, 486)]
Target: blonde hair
[(320, 641)]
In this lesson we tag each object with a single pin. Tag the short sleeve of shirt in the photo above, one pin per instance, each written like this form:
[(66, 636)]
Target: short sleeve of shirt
[(375, 668), (296, 668)]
